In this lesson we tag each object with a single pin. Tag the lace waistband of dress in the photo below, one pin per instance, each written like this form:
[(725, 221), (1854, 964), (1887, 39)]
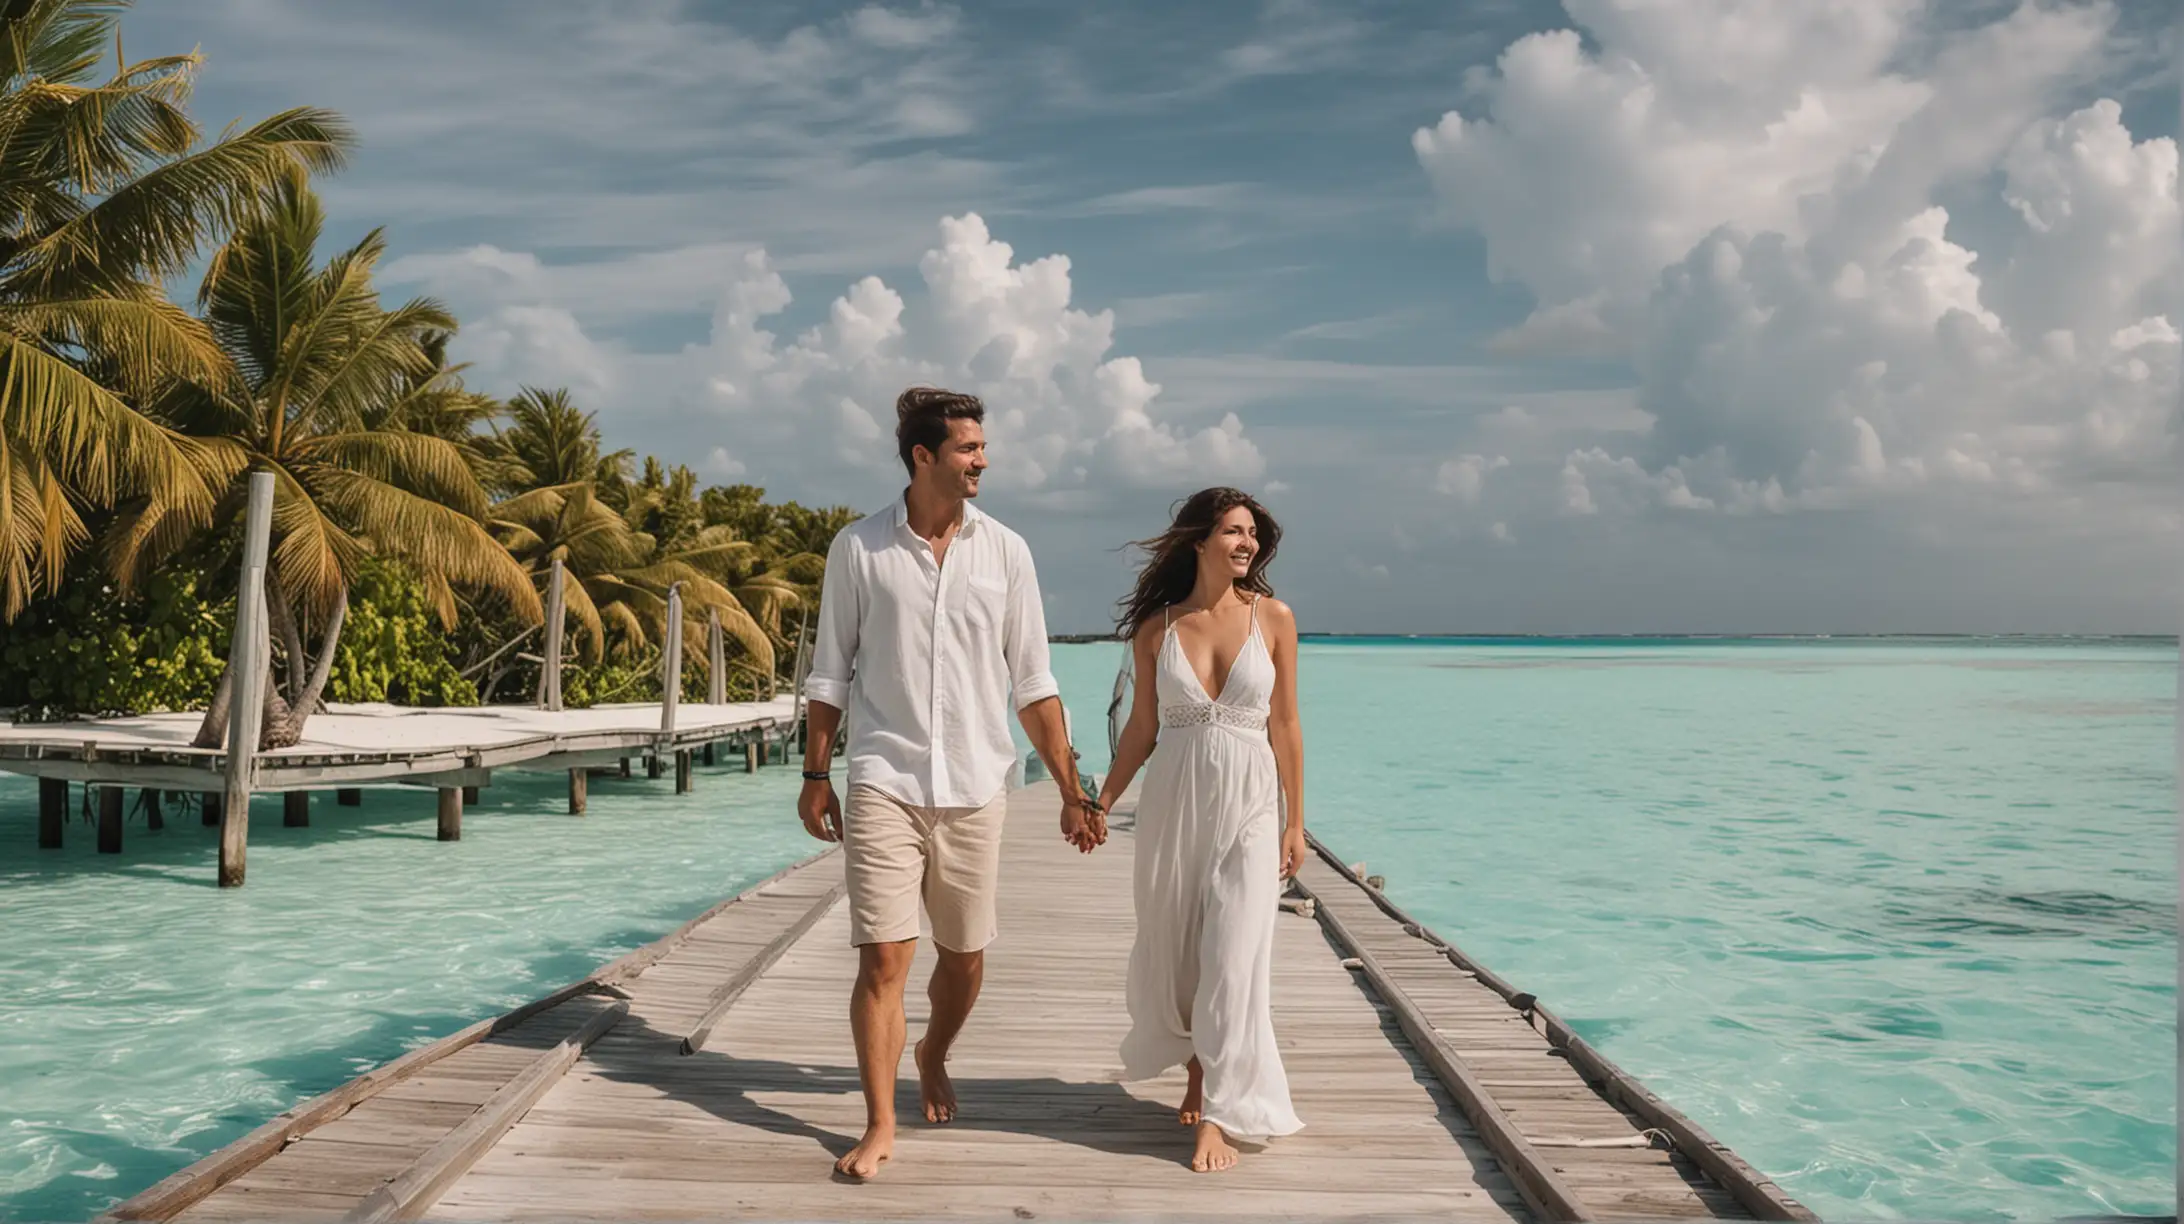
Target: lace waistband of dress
[(1200, 713)]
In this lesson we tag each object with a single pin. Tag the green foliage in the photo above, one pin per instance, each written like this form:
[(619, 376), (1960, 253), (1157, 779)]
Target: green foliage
[(392, 648), (85, 651)]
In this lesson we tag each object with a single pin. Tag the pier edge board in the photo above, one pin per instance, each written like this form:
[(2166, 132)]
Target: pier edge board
[(1752, 1189)]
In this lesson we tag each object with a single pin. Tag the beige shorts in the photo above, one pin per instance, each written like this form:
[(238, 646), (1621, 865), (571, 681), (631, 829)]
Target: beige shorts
[(894, 855)]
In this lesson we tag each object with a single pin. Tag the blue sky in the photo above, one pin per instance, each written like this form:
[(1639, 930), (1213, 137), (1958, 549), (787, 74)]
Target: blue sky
[(1721, 315)]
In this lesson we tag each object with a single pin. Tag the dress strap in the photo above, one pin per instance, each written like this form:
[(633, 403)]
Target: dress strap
[(1255, 613)]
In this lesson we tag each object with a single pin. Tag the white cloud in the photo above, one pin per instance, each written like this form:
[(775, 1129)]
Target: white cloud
[(1743, 198), (1063, 412), (1464, 477)]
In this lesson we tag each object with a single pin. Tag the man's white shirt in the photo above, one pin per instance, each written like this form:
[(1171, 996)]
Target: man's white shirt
[(923, 657)]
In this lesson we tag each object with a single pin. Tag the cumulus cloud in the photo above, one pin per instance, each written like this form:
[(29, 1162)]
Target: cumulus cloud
[(1065, 415), (1464, 477), (1744, 199)]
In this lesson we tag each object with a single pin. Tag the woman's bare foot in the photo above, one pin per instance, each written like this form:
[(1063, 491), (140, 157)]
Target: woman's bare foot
[(1194, 1096), (1214, 1153), (872, 1151), (934, 1086)]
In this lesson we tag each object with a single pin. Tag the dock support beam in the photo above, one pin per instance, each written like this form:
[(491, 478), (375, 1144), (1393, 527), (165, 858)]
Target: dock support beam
[(579, 791), (110, 800), (470, 794), (208, 809), (349, 796), (750, 756), (652, 765), (709, 761), (154, 819), (451, 813), (682, 771), (625, 767), (296, 809), (52, 812), (247, 657)]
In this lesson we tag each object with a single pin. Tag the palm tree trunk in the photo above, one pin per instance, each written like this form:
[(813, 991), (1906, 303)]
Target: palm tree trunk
[(305, 702), (212, 733), (284, 623)]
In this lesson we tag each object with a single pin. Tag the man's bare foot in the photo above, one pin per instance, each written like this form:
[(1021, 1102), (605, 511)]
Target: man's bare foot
[(872, 1151), (1214, 1153), (934, 1086), (1194, 1096)]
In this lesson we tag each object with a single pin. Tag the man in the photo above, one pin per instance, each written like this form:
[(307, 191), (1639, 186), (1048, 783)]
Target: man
[(929, 618)]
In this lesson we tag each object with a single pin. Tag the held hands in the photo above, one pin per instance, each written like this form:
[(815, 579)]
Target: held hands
[(1293, 851), (1084, 824), (821, 810)]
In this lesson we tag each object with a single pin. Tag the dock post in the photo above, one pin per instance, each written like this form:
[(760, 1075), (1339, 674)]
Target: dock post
[(349, 796), (154, 819), (579, 791), (625, 767), (671, 662), (208, 809), (451, 813), (470, 794), (652, 765), (682, 771), (296, 809), (716, 658), (750, 756), (549, 672), (246, 708), (709, 761), (52, 812), (110, 801)]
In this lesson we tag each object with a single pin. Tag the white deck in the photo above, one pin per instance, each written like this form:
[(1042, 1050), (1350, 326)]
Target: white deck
[(355, 743)]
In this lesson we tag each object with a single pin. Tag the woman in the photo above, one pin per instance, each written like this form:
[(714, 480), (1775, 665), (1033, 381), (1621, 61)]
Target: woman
[(1216, 662)]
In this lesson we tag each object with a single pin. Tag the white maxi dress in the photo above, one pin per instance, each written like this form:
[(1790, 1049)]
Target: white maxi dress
[(1207, 888)]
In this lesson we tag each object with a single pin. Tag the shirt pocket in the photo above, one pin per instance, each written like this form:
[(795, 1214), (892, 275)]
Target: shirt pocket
[(985, 603)]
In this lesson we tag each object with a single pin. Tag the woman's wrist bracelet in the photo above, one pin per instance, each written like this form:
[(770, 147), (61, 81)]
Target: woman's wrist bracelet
[(818, 775)]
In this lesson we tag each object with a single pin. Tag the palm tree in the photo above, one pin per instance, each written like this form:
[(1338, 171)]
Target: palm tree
[(104, 193), (313, 373), (620, 574)]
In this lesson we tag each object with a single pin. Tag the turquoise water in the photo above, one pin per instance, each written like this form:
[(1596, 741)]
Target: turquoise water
[(1896, 921)]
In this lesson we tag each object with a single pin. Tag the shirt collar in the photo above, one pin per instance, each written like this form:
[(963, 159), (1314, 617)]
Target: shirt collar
[(972, 515)]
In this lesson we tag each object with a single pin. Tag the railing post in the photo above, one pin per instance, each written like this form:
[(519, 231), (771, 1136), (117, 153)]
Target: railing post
[(549, 675), (716, 647)]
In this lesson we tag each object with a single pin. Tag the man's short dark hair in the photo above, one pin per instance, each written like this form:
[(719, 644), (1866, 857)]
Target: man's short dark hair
[(922, 415)]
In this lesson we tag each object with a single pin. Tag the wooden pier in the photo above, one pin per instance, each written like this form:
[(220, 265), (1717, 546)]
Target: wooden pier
[(710, 1075), (453, 750)]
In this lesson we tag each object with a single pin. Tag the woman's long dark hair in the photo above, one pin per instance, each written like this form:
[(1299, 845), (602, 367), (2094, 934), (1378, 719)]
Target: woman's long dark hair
[(1172, 568)]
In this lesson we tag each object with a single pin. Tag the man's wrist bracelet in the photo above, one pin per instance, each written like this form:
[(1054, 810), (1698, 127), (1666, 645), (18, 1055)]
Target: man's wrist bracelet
[(817, 775)]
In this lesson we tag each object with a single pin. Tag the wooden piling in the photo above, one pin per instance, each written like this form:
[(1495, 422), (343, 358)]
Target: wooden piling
[(451, 813), (579, 791), (52, 812), (709, 761), (750, 755), (296, 809), (248, 657), (470, 794), (110, 809), (716, 660), (154, 819), (652, 766), (682, 772), (625, 766), (349, 796), (549, 673), (208, 809)]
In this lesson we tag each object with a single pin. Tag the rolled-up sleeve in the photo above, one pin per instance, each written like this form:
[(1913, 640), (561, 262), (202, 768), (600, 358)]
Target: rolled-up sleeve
[(1024, 637), (834, 649)]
